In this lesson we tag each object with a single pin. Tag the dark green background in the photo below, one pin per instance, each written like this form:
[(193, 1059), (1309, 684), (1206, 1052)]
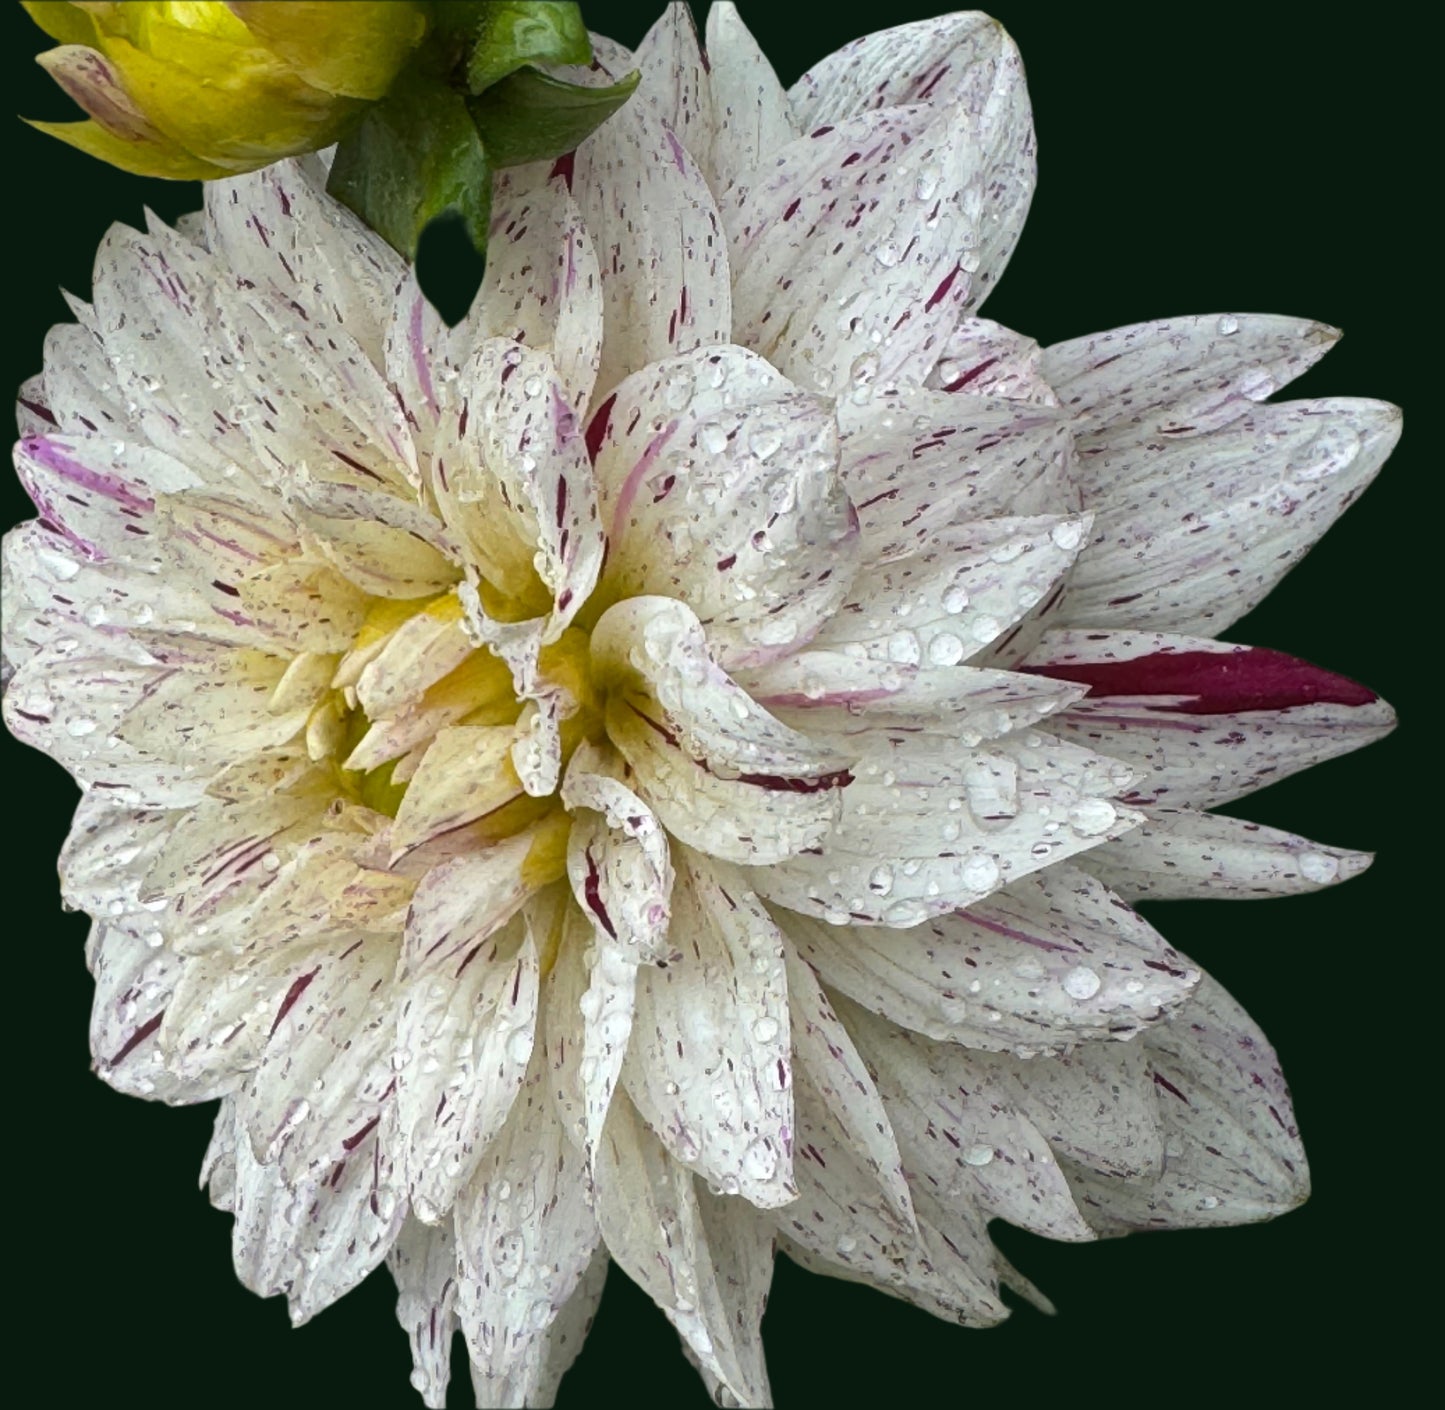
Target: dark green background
[(1193, 159)]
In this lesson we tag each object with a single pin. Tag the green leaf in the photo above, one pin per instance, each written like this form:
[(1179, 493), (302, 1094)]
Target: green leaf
[(516, 32), (413, 157), (530, 116)]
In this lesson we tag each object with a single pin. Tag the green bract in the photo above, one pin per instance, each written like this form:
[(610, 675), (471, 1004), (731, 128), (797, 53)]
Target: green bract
[(424, 101)]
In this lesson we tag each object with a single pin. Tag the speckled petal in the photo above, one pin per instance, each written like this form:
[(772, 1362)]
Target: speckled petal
[(423, 1264), (1097, 1105), (100, 494), (651, 1217), (1232, 1154), (719, 771), (675, 82), (617, 858), (718, 480), (316, 1240), (1195, 526), (918, 463), (984, 359), (1183, 854), (1054, 960), (963, 64), (930, 824), (842, 1225), (525, 1232), (709, 1066), (826, 1056), (533, 1378), (751, 115), (466, 1017), (852, 249), (1204, 722), (326, 1069), (514, 481), (542, 286), (959, 1136), (592, 988), (1177, 375), (277, 227), (659, 243), (134, 980), (956, 595)]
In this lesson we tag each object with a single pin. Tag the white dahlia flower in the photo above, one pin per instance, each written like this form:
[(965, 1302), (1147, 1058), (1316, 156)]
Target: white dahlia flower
[(658, 773)]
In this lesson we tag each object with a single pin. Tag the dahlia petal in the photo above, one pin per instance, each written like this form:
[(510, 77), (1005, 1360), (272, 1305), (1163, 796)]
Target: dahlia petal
[(108, 852), (218, 1167), (381, 559), (950, 600), (1191, 533), (1179, 853), (618, 859), (984, 359), (33, 416), (1231, 1150), (100, 495), (79, 387), (422, 650), (518, 491), (325, 1072), (465, 774), (1096, 1106), (963, 64), (676, 83), (741, 1242), (751, 115), (931, 824), (533, 1378), (542, 286), (225, 1005), (134, 980), (423, 1264), (1054, 960), (709, 1065), (525, 1232), (881, 314), (316, 1240), (718, 483), (59, 605), (718, 770), (918, 463), (154, 296), (659, 243), (70, 708), (824, 1051), (842, 1225), (239, 873), (959, 1136), (209, 714), (599, 988), (842, 694), (1205, 722), (278, 227), (466, 1020), (640, 1191), (1177, 375)]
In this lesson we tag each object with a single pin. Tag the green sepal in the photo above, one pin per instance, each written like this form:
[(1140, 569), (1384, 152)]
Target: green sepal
[(517, 32), (415, 156), (530, 116)]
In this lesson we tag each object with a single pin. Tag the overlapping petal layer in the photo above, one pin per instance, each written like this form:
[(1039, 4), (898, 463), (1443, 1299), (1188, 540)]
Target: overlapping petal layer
[(660, 770)]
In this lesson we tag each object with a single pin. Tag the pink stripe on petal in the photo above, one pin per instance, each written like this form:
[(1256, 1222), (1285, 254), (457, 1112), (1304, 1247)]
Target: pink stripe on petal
[(1214, 682)]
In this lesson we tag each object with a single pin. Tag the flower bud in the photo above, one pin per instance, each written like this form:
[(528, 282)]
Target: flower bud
[(196, 89)]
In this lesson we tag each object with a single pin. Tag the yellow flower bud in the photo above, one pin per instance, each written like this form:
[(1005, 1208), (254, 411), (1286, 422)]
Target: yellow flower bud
[(198, 89)]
